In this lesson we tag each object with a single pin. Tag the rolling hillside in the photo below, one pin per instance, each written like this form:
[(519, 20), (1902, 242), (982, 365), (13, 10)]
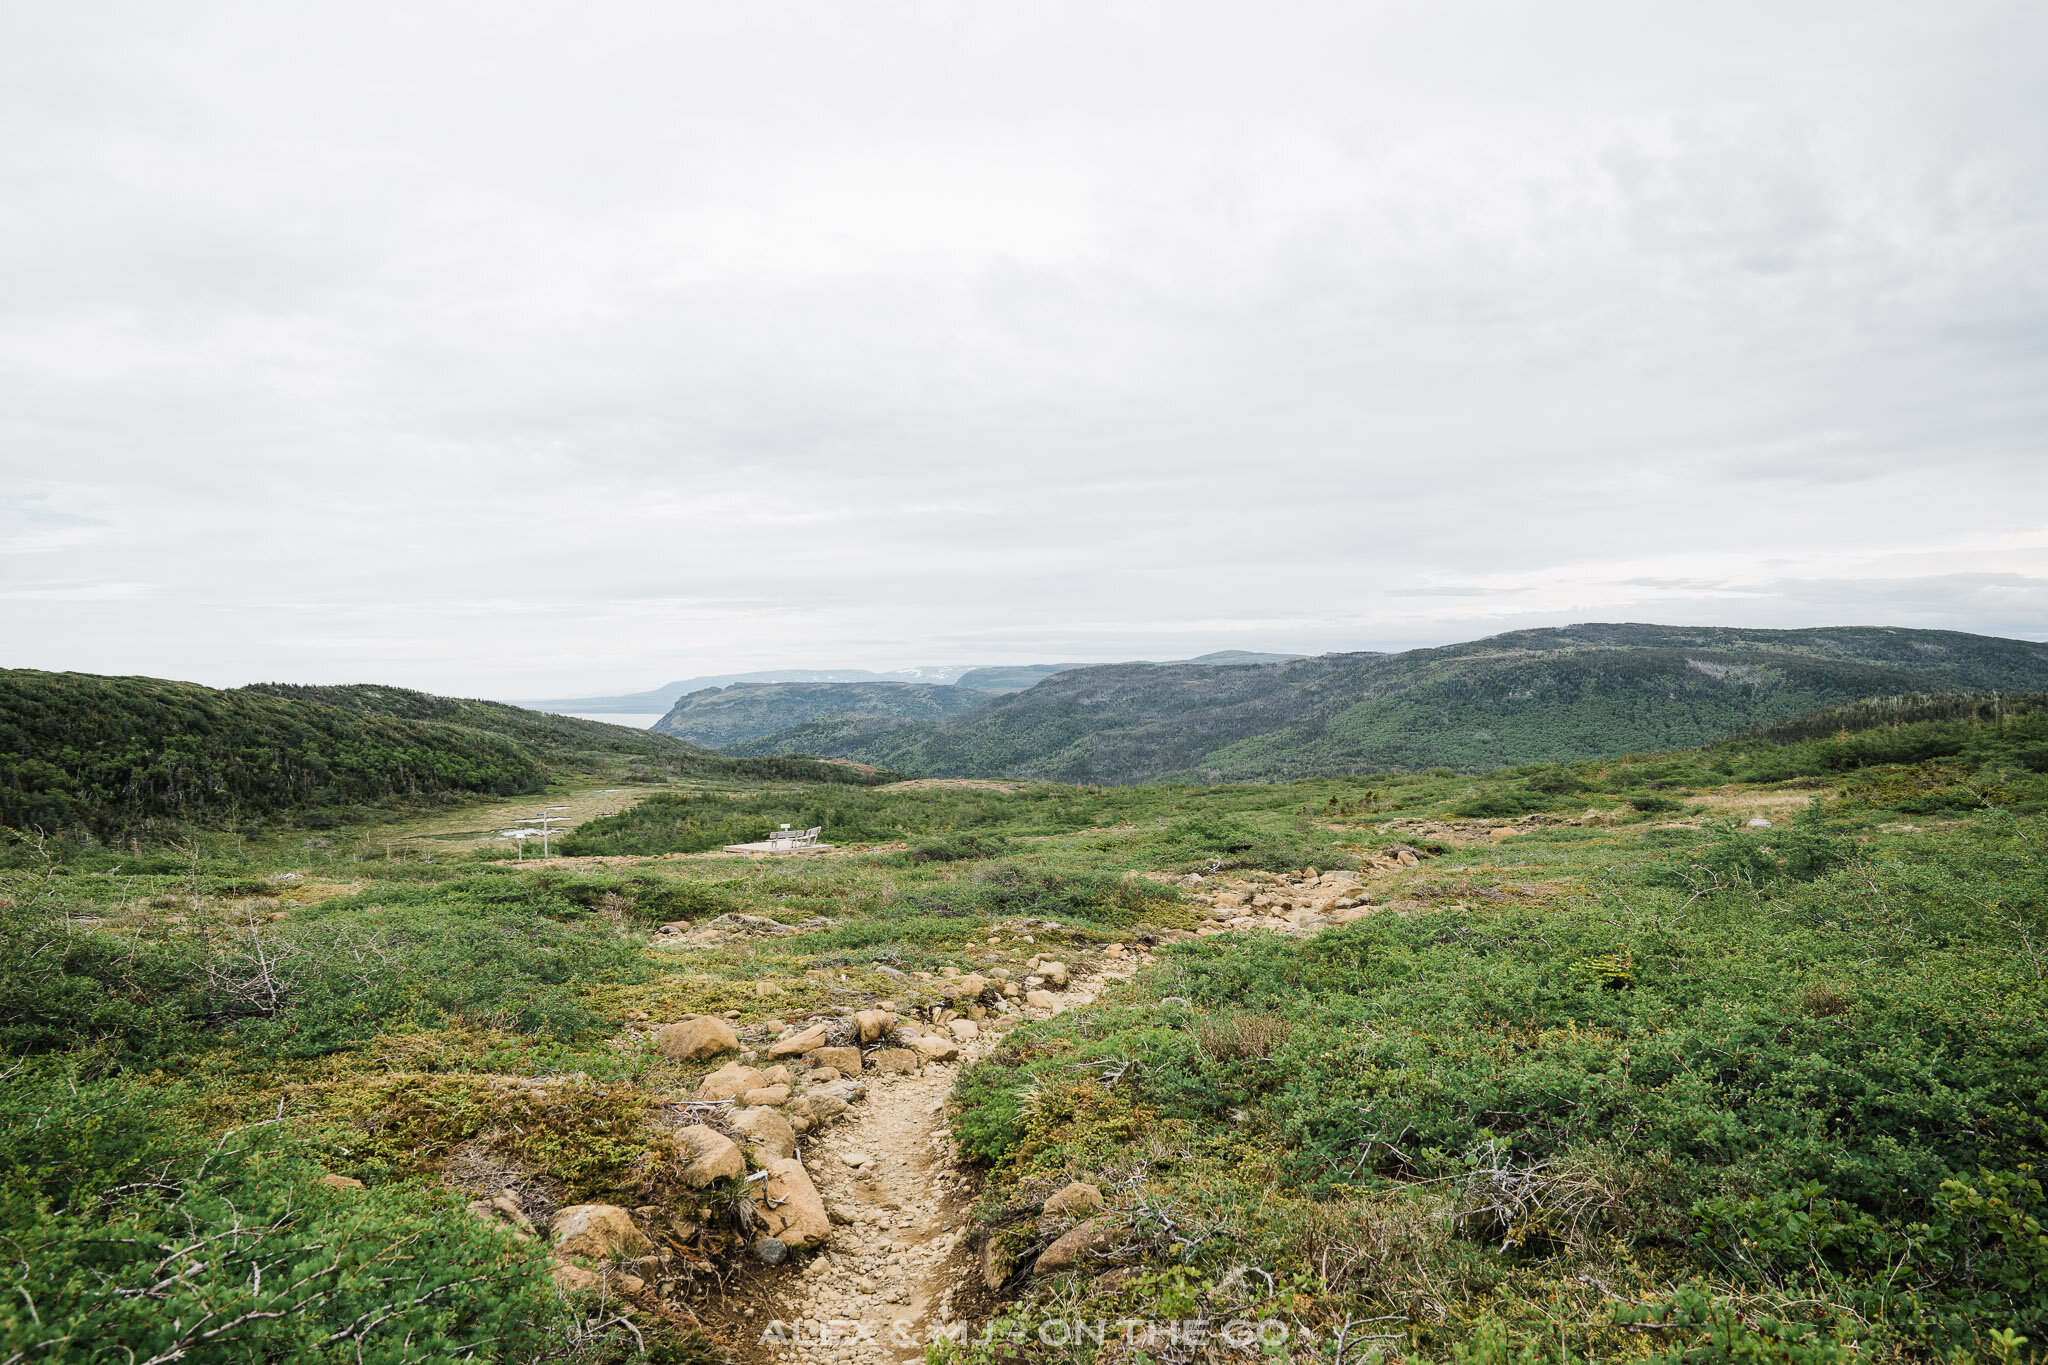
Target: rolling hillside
[(1017, 677), (564, 742), (148, 758), (668, 694), (1528, 696), (82, 754), (720, 717)]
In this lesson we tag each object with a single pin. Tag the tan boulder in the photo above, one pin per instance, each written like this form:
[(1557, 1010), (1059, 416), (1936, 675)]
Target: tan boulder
[(1055, 974), (776, 1075), (897, 1059), (798, 1044), (503, 1208), (966, 988), (771, 1133), (713, 1156), (730, 1081), (821, 1108), (791, 1206), (825, 1073), (844, 1059), (694, 1040), (1079, 1197), (1097, 1234), (873, 1024), (996, 1264), (1041, 1000), (575, 1279), (933, 1048), (597, 1232), (767, 1094), (965, 1030)]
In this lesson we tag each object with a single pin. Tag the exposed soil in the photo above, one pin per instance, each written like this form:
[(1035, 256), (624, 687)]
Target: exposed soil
[(904, 1268)]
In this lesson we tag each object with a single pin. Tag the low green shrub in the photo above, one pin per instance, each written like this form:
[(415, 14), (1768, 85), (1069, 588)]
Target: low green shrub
[(118, 1227)]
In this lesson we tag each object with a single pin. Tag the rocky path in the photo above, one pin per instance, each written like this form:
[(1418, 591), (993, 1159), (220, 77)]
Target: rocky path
[(894, 1270), (898, 1269)]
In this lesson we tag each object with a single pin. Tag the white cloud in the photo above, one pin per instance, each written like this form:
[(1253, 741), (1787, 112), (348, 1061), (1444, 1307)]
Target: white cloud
[(540, 350)]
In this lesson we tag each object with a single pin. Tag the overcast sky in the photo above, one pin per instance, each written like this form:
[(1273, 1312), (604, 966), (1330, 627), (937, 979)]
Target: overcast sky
[(537, 349)]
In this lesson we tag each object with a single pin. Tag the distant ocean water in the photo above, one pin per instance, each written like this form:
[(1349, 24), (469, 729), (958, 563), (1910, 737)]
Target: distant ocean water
[(637, 719)]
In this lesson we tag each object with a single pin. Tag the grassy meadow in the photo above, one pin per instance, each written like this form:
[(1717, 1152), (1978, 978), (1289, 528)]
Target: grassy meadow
[(1607, 1074)]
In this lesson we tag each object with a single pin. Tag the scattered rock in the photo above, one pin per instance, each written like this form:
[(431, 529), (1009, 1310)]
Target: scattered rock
[(772, 1134), (1069, 1251), (900, 1060), (1055, 974), (995, 1265), (819, 1108), (1041, 1000), (791, 1207), (1079, 1197), (598, 1232), (932, 1048), (767, 1094), (825, 1073), (770, 1250), (845, 1060), (730, 1081), (713, 1156), (966, 988), (872, 1024), (693, 1040), (966, 1030), (574, 1278), (847, 1090), (796, 1045), (503, 1208)]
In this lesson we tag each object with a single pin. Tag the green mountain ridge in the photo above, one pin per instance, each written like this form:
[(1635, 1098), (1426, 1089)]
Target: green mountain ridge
[(1524, 697), (720, 717), (1018, 677)]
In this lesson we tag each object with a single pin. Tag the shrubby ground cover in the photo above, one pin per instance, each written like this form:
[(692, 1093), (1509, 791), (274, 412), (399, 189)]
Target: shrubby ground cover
[(1654, 1085)]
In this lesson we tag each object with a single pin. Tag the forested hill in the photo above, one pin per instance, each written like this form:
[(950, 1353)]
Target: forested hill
[(719, 717), (566, 740), (145, 757), (1527, 696), (148, 758)]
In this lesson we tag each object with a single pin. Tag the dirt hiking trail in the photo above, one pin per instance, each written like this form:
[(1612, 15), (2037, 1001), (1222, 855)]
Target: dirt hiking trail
[(902, 1269)]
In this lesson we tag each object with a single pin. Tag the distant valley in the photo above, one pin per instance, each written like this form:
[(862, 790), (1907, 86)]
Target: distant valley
[(1528, 696), (981, 678)]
